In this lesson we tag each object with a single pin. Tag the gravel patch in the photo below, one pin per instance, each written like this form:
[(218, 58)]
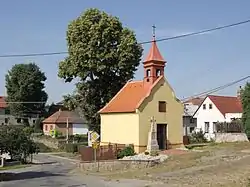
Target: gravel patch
[(143, 157)]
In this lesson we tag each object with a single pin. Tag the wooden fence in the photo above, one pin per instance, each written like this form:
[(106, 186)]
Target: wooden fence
[(232, 127), (107, 152)]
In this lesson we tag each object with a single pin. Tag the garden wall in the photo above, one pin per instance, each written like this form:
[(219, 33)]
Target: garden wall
[(48, 141), (113, 165), (230, 137)]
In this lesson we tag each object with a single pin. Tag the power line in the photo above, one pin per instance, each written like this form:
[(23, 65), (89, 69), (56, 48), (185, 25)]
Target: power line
[(200, 32), (202, 94), (146, 42), (205, 93)]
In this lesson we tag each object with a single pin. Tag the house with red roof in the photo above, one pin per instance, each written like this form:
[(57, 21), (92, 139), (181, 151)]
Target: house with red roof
[(215, 108), (126, 118), (4, 113), (65, 122)]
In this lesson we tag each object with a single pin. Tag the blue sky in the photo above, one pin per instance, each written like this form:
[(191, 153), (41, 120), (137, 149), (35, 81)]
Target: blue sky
[(194, 64)]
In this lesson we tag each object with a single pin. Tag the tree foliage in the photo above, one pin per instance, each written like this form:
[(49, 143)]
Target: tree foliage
[(69, 102), (25, 83), (245, 97), (16, 141), (103, 55)]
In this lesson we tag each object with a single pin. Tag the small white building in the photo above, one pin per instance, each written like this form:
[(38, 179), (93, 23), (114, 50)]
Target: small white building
[(217, 109), (189, 122)]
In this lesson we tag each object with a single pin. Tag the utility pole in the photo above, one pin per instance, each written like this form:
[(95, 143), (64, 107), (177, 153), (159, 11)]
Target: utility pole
[(67, 135)]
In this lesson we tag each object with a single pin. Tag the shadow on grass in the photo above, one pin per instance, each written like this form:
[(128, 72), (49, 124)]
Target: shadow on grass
[(25, 175)]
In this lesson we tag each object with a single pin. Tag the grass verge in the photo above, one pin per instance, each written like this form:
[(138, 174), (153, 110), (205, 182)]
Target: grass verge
[(14, 167)]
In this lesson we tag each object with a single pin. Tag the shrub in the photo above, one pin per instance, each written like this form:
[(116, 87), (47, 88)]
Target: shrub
[(57, 133), (80, 138), (71, 148), (43, 148), (197, 137), (28, 130), (127, 151)]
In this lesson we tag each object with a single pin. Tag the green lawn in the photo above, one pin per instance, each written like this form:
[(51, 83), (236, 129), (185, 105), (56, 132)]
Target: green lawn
[(14, 167)]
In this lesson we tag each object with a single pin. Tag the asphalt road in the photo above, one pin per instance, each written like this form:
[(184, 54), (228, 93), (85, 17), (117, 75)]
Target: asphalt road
[(54, 172)]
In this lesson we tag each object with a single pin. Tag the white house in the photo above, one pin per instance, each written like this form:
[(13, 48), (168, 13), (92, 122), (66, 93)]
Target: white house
[(190, 107), (217, 109)]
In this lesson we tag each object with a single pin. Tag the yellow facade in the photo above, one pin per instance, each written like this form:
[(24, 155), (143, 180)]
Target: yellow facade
[(172, 117), (121, 128), (133, 128)]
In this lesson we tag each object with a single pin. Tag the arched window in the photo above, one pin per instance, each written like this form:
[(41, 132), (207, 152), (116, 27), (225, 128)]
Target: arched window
[(158, 72), (148, 73)]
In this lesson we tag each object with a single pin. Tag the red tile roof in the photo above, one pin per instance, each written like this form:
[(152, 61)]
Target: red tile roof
[(3, 103), (129, 98), (154, 54), (227, 104), (62, 116), (195, 101)]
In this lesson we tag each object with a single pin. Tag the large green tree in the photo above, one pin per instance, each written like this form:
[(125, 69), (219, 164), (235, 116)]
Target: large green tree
[(103, 55), (15, 141), (245, 97), (25, 84)]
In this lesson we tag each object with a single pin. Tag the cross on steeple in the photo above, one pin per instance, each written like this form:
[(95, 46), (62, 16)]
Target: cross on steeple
[(153, 28), (153, 64)]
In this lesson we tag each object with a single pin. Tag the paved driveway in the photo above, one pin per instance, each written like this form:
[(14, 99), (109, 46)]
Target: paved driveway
[(55, 172)]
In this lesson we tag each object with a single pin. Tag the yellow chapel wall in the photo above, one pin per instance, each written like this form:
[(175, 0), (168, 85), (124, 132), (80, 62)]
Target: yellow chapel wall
[(121, 128), (173, 116)]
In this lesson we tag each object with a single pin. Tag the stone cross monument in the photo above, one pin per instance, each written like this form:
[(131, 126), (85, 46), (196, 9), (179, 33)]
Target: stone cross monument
[(152, 137)]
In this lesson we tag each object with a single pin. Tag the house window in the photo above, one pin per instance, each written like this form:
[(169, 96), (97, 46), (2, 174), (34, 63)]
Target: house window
[(6, 111), (148, 73), (206, 127), (214, 126), (51, 127), (204, 106), (210, 106), (46, 128), (158, 72), (162, 106), (6, 120), (191, 120)]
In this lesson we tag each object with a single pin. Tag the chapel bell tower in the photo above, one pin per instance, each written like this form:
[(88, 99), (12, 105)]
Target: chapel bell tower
[(154, 63)]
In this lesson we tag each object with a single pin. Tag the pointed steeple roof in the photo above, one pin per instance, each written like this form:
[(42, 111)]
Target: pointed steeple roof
[(154, 53)]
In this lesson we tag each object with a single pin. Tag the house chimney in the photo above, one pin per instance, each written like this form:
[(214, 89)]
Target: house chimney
[(239, 91)]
